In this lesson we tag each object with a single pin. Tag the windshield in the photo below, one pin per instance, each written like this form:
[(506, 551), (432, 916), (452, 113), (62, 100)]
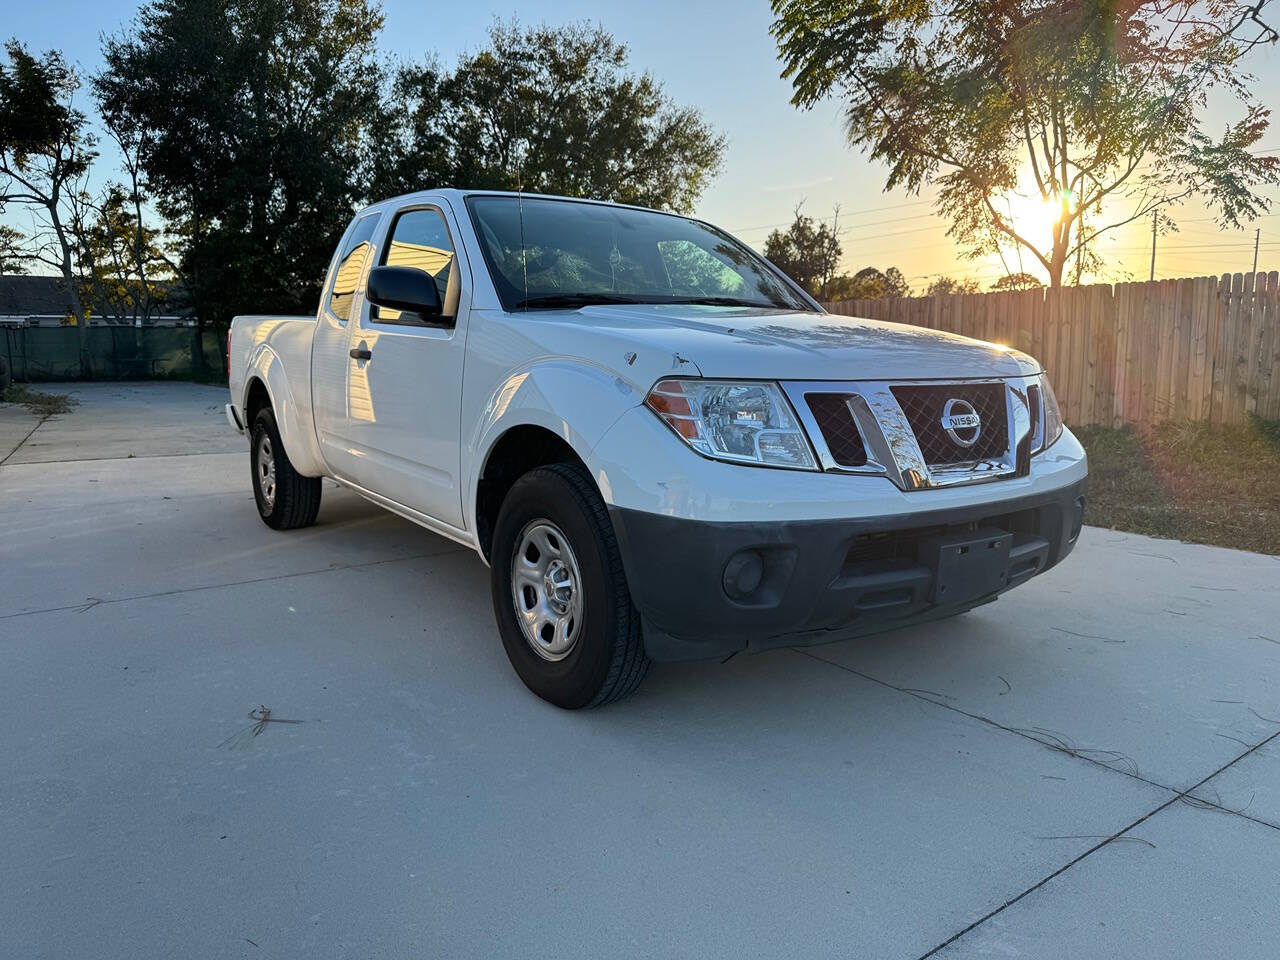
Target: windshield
[(546, 253)]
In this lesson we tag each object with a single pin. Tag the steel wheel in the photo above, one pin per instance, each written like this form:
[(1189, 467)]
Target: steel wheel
[(546, 589), (266, 472)]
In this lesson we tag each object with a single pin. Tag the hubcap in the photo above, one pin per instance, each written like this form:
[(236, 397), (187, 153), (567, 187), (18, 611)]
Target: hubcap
[(266, 472), (546, 588)]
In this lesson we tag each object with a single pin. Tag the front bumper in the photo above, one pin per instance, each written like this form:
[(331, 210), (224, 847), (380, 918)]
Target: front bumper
[(708, 588)]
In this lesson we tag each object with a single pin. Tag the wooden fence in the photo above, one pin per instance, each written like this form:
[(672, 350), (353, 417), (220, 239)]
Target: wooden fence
[(1200, 348)]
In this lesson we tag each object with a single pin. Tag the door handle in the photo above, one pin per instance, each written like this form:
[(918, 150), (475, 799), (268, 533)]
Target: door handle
[(359, 353)]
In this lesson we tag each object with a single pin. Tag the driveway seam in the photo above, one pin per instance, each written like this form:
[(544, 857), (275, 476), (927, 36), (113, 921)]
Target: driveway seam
[(1098, 846), (39, 424), (1196, 801), (140, 456), (92, 602)]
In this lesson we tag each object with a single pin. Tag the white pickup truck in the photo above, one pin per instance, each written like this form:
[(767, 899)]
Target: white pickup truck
[(660, 445)]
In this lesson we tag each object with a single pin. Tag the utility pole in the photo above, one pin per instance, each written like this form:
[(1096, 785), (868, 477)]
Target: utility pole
[(1153, 245), (1257, 234)]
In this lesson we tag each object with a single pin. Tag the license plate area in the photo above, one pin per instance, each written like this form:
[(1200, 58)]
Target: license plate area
[(967, 566)]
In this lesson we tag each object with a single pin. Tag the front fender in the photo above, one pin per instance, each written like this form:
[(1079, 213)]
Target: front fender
[(293, 416), (574, 399)]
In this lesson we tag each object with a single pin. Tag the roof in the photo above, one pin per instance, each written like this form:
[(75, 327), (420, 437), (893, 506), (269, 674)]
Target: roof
[(45, 296), (22, 296), (452, 193)]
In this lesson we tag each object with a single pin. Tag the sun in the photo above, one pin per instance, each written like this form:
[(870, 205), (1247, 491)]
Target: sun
[(1033, 216)]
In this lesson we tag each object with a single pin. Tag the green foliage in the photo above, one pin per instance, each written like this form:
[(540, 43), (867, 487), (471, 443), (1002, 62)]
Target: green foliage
[(1017, 281), (1097, 105), (11, 251), (546, 110), (808, 252), (123, 268), (252, 118), (36, 116), (869, 283), (260, 126), (949, 286), (45, 152)]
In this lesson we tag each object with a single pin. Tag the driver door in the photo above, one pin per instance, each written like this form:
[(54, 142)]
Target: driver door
[(404, 390)]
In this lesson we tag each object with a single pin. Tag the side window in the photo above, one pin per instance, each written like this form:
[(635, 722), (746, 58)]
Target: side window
[(346, 279), (420, 239), (697, 272)]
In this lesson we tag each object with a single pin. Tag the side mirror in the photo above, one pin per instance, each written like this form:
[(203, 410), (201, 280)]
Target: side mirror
[(406, 289)]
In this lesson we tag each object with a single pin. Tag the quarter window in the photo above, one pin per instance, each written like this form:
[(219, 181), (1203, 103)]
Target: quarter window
[(420, 239), (346, 279)]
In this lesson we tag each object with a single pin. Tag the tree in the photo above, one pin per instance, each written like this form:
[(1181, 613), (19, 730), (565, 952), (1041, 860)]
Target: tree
[(869, 284), (1094, 105), (1017, 281), (252, 123), (45, 152), (127, 261), (123, 268), (12, 257), (948, 286), (546, 110), (808, 252)]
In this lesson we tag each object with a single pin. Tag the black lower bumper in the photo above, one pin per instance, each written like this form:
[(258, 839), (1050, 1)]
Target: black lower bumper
[(711, 589)]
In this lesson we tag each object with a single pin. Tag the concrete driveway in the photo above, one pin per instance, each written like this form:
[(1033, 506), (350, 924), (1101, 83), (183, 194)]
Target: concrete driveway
[(1087, 768)]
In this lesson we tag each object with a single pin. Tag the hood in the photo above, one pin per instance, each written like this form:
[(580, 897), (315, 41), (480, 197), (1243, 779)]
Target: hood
[(765, 344)]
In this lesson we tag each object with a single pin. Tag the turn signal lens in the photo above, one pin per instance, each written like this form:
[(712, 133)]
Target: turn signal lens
[(742, 422)]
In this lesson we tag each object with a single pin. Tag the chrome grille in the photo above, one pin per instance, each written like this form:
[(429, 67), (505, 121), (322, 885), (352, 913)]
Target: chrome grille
[(831, 411), (893, 429), (923, 406)]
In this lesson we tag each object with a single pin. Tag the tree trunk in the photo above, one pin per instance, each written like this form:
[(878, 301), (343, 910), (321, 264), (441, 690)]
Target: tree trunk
[(73, 294), (1058, 257)]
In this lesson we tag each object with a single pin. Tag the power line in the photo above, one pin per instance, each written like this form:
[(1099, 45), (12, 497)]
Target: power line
[(786, 223)]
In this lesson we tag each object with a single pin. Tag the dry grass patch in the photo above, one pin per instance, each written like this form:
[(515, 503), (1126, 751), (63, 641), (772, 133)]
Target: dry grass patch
[(1188, 481), (40, 403)]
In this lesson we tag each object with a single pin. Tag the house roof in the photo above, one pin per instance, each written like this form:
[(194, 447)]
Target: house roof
[(22, 296), (45, 296)]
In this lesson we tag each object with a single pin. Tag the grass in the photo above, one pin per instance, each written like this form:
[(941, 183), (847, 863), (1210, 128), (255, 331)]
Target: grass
[(40, 403), (1188, 481)]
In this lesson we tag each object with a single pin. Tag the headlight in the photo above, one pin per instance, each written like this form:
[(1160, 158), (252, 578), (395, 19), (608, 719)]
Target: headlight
[(1052, 416), (740, 422)]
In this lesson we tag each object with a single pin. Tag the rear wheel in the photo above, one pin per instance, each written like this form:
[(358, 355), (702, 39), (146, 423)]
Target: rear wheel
[(286, 499), (560, 594)]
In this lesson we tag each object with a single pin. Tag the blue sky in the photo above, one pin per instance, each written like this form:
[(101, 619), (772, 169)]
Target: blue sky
[(717, 55)]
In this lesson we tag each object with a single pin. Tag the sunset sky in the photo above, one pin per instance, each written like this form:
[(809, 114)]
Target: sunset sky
[(718, 56)]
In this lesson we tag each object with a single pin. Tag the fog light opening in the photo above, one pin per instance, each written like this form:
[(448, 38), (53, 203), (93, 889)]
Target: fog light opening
[(743, 574), (1077, 518)]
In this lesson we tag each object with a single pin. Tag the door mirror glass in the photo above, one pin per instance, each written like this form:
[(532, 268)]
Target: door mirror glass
[(404, 289)]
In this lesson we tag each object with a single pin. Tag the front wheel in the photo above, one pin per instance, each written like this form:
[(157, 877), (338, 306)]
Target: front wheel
[(286, 499), (560, 594)]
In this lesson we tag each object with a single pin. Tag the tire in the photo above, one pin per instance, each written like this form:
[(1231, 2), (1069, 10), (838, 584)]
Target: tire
[(600, 658), (286, 499)]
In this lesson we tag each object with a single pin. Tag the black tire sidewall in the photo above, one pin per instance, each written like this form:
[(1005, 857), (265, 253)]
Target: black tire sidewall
[(265, 422), (574, 681)]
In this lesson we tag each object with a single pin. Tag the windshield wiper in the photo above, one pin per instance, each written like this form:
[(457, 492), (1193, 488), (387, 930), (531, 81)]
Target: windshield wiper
[(722, 302), (572, 300)]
